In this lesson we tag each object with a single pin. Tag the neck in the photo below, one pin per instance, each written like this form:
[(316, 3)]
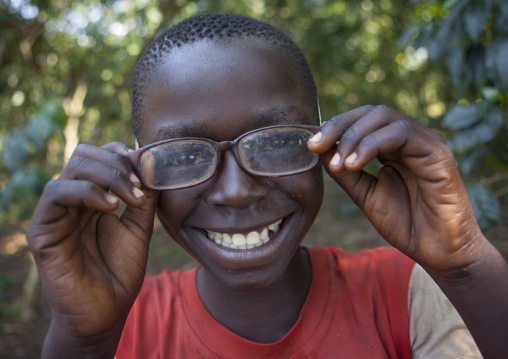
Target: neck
[(262, 316)]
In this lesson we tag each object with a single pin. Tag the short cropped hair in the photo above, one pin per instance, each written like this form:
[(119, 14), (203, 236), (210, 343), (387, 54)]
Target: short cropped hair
[(213, 26)]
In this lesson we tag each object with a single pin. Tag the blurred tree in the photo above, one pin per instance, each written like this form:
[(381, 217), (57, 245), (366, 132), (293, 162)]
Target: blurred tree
[(66, 66), (469, 39)]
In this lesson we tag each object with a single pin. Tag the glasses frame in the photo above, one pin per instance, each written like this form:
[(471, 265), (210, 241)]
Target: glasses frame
[(135, 156)]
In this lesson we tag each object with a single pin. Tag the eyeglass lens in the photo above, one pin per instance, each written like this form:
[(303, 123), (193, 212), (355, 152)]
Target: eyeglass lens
[(270, 152)]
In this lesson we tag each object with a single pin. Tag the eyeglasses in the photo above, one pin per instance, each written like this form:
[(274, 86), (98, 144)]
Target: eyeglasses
[(274, 151)]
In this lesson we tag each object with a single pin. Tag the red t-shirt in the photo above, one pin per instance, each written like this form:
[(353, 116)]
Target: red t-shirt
[(357, 307)]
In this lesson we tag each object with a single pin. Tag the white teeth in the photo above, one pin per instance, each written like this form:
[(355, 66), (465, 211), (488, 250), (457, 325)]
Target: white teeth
[(253, 238), (241, 241), (226, 238), (275, 225)]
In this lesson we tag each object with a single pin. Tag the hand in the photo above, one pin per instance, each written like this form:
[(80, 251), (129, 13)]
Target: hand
[(418, 201), (91, 262)]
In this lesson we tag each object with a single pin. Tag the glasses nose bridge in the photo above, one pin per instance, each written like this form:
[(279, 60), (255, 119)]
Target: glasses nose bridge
[(225, 145)]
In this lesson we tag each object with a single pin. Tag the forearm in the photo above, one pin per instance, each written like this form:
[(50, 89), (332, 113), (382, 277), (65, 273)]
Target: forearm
[(59, 344), (480, 295)]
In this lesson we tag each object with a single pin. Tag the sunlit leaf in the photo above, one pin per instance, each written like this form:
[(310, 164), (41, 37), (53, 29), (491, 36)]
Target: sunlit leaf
[(492, 94), (462, 116)]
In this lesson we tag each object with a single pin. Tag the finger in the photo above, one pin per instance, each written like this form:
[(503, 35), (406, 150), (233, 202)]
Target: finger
[(384, 200), (376, 118), (140, 220), (123, 149), (107, 176), (333, 129), (51, 220), (406, 148), (103, 154), (118, 147)]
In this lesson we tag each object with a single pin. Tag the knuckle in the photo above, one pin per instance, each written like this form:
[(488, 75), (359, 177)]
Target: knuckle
[(381, 109), (403, 126), (369, 107), (82, 148), (52, 187), (336, 120), (118, 157), (117, 174), (349, 134), (368, 141), (75, 166)]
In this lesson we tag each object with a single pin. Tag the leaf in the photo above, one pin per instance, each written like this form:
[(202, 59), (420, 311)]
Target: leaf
[(490, 60), (492, 94), (501, 20), (407, 36), (449, 3), (502, 64), (475, 62), (455, 62), (471, 159), (462, 116), (481, 133), (476, 14), (486, 207)]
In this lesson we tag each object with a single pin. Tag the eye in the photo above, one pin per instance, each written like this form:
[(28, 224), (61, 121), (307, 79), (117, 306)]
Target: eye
[(186, 159)]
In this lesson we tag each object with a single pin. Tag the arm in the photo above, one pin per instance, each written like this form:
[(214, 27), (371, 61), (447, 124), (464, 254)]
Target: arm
[(419, 204), (91, 262)]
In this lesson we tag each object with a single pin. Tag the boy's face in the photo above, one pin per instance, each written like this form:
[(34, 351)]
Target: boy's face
[(220, 91)]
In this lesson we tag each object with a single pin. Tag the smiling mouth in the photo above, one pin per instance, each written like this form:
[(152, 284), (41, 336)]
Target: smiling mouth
[(245, 241)]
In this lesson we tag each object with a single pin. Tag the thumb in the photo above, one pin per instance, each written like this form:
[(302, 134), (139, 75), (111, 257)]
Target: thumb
[(356, 184), (140, 220)]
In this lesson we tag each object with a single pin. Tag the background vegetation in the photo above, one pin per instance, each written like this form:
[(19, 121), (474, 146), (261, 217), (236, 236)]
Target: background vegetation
[(65, 70)]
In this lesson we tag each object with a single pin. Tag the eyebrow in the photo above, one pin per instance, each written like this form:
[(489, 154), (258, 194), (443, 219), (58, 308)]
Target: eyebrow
[(270, 117)]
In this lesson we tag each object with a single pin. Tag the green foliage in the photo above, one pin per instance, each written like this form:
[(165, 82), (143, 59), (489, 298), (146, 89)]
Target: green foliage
[(5, 309), (65, 70), (470, 38)]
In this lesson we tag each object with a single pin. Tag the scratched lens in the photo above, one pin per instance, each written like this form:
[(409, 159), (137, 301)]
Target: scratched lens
[(277, 151), (178, 164)]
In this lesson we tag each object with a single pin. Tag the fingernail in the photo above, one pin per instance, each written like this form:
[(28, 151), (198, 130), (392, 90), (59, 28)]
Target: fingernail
[(110, 199), (316, 138), (134, 178), (335, 160), (351, 159), (129, 150), (137, 192)]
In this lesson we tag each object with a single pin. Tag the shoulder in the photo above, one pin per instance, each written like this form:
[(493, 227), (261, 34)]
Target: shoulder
[(437, 330), (381, 261)]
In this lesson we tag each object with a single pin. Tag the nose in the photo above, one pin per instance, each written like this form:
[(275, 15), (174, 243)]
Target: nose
[(234, 187)]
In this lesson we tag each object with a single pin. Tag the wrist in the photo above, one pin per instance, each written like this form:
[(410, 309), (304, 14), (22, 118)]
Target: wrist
[(60, 343), (476, 262)]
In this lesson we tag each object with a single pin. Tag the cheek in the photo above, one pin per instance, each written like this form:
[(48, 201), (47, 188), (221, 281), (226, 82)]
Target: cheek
[(306, 188), (173, 208)]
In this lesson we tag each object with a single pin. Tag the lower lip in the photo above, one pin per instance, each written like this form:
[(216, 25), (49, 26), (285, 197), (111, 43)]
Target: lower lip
[(240, 260)]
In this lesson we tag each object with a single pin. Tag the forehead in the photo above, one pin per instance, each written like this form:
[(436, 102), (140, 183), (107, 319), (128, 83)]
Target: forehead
[(220, 89)]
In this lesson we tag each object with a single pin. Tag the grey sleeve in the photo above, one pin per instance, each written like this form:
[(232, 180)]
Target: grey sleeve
[(436, 330)]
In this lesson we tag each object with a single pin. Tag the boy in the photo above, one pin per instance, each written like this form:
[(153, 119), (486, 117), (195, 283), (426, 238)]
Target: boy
[(242, 208)]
